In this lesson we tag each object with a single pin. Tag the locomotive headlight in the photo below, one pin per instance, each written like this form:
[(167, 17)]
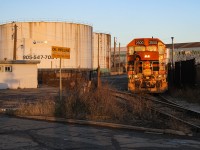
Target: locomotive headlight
[(146, 56)]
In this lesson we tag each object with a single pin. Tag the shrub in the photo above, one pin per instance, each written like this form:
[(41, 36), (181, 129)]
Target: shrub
[(94, 104), (43, 107)]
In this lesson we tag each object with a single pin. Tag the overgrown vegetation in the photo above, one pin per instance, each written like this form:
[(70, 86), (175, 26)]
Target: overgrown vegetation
[(81, 102), (186, 91), (97, 104), (43, 107), (190, 94)]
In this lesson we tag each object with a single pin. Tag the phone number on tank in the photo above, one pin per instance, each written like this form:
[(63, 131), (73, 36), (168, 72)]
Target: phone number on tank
[(37, 57)]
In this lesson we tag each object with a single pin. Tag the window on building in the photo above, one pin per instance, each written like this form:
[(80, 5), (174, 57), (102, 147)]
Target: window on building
[(8, 68)]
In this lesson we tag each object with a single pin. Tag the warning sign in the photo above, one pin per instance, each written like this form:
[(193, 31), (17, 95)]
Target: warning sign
[(60, 52)]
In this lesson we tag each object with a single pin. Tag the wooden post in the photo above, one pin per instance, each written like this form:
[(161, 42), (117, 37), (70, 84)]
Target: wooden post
[(15, 42), (98, 69), (114, 55), (60, 80), (119, 58)]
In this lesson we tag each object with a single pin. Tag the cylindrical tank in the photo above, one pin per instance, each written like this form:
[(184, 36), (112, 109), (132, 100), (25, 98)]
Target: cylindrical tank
[(101, 51), (35, 41)]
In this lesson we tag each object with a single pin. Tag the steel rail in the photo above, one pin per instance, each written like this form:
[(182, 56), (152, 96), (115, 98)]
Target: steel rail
[(172, 107)]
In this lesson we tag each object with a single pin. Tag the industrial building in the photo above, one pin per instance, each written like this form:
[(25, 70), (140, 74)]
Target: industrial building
[(16, 74), (118, 59), (34, 41), (184, 51), (102, 51)]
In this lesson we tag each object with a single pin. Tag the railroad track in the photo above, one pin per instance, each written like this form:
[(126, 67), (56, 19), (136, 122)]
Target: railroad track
[(167, 108)]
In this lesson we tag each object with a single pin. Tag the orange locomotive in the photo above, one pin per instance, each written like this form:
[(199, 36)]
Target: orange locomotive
[(147, 65)]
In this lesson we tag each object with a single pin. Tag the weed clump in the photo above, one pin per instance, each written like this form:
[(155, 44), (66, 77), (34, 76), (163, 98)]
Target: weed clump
[(91, 103), (41, 107)]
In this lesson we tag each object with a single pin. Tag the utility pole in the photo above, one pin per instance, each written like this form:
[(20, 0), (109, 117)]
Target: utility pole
[(173, 76), (98, 69), (114, 55), (15, 42), (172, 52), (119, 58), (60, 90)]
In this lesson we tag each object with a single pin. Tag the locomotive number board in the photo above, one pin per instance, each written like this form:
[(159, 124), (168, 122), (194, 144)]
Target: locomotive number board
[(150, 42)]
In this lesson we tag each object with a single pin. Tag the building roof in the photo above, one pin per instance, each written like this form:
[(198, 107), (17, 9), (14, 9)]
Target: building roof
[(19, 61), (184, 45)]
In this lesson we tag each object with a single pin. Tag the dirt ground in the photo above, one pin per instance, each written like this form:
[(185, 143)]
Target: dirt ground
[(12, 97)]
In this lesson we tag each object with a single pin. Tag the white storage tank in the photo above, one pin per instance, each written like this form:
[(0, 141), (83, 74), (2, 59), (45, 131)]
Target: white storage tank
[(35, 39), (101, 51)]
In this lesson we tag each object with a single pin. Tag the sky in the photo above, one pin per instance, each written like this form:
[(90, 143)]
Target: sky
[(123, 19)]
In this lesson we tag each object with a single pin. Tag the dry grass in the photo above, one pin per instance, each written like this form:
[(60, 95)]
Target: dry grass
[(92, 104), (175, 125), (189, 94), (43, 107), (96, 104)]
